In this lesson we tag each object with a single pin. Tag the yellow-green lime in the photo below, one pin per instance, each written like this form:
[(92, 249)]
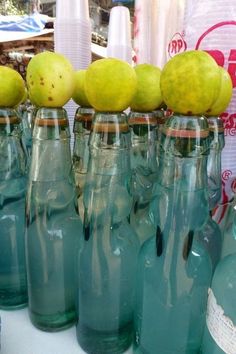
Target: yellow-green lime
[(224, 96), (110, 84), (79, 95), (50, 79), (190, 82), (148, 94), (12, 87)]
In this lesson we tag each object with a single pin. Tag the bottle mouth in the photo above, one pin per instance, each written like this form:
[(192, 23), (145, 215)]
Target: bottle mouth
[(110, 128), (10, 120), (215, 124), (143, 120), (185, 133), (85, 117), (62, 122)]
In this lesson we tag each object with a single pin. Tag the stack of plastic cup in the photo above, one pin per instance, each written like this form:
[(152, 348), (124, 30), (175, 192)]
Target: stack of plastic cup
[(72, 38), (160, 24), (72, 33), (143, 31), (211, 25), (119, 34)]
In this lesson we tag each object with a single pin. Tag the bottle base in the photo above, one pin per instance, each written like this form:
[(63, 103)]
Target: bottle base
[(102, 342), (13, 300), (141, 350), (12, 307), (52, 323)]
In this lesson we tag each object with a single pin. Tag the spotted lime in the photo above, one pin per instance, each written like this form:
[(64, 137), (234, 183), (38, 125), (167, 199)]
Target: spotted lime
[(50, 79)]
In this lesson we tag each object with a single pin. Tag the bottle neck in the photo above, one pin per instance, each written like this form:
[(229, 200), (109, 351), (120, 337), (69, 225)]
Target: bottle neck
[(82, 130), (183, 153), (216, 133), (10, 122), (51, 156), (83, 122), (182, 180), (13, 158), (110, 144), (51, 124), (217, 142), (143, 127), (107, 198)]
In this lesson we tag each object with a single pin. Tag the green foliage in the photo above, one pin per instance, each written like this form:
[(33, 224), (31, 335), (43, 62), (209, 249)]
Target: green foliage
[(12, 7)]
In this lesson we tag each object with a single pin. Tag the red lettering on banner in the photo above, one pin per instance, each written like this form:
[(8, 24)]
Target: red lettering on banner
[(232, 66), (218, 56), (226, 175), (176, 45), (229, 121)]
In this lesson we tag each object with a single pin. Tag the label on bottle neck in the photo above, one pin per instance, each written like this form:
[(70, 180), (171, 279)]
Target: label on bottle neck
[(9, 120), (51, 122), (220, 326)]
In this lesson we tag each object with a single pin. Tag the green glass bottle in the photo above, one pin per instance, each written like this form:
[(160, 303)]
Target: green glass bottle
[(13, 179), (53, 226), (161, 117), (25, 111), (217, 143), (107, 262), (174, 268), (82, 129), (229, 232), (143, 127)]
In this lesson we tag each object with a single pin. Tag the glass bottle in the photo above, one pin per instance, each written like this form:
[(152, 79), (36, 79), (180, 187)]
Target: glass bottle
[(82, 129), (53, 226), (24, 111), (220, 331), (107, 264), (174, 268), (211, 233), (217, 143), (229, 233), (13, 161), (161, 117), (143, 127)]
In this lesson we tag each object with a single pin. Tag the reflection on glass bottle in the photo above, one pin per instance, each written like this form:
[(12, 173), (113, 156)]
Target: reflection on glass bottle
[(161, 117), (143, 128), (211, 233), (107, 265), (220, 330), (25, 111), (174, 269), (82, 128), (53, 227), (229, 233), (217, 142), (13, 160)]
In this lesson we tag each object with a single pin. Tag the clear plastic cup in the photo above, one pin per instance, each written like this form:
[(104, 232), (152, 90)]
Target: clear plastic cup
[(119, 34), (72, 9), (120, 52)]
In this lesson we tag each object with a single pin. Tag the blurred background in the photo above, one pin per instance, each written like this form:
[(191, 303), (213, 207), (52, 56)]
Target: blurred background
[(99, 11)]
